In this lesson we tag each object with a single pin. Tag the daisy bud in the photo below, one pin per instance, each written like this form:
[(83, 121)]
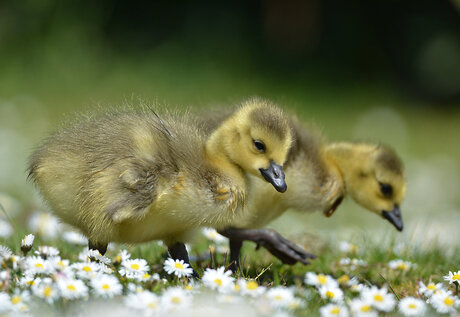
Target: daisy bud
[(27, 243)]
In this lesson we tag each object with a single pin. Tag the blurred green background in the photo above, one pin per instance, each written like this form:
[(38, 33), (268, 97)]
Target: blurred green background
[(372, 70)]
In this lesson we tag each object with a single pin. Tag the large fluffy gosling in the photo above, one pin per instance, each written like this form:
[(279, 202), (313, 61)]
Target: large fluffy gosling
[(320, 176), (130, 176)]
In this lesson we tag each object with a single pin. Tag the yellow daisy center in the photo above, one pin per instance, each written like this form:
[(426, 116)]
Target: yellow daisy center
[(178, 265), (176, 300), (86, 269), (402, 266), (343, 279), (330, 294), (152, 305), (322, 279), (188, 287), (71, 287), (106, 286), (449, 301), (252, 285), (335, 310), (365, 308), (47, 291), (146, 276), (412, 306), (456, 277), (431, 287), (32, 282), (278, 297), (15, 300), (135, 266), (61, 264), (118, 258), (237, 288), (39, 265), (218, 281), (378, 298)]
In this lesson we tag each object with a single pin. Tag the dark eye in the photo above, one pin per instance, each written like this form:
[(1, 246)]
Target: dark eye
[(259, 145), (386, 189)]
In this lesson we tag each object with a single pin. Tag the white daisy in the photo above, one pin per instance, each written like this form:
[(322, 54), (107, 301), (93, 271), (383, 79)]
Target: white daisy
[(213, 235), (333, 310), (177, 267), (19, 301), (37, 265), (379, 298), (218, 279), (5, 303), (133, 267), (144, 301), (44, 224), (5, 229), (296, 303), (134, 288), (5, 252), (429, 289), (319, 280), (87, 270), (411, 306), (453, 277), (143, 277), (60, 265), (444, 302), (175, 298), (28, 280), (106, 286), (47, 252), (250, 287), (72, 289), (87, 255), (46, 290), (73, 237), (347, 247), (401, 265), (361, 308), (27, 242), (124, 255), (332, 293), (279, 297)]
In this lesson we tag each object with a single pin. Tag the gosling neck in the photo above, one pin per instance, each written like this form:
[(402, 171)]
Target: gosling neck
[(216, 150)]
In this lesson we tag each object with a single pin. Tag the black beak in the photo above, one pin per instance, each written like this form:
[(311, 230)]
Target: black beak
[(394, 217), (274, 175)]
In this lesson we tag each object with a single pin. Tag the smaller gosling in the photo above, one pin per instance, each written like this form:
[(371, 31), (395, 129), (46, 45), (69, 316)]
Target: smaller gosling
[(130, 176), (320, 177)]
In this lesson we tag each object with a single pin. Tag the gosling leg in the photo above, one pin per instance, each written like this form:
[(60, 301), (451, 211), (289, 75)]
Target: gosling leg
[(235, 251), (285, 250), (101, 247), (178, 251)]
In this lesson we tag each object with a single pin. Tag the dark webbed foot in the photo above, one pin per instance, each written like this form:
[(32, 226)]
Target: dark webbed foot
[(285, 250), (178, 251), (101, 247)]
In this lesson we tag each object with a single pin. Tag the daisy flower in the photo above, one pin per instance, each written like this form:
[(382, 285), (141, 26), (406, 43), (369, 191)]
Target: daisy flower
[(5, 229), (44, 224), (71, 288), (296, 303), (133, 267), (280, 297), (177, 267), (60, 265), (5, 303), (37, 265), (332, 293), (453, 277), (46, 290), (347, 247), (411, 306), (47, 252), (250, 287), (106, 286), (213, 235), (444, 302), (333, 310), (429, 289), (400, 265), (144, 301), (19, 300), (87, 270), (27, 242), (379, 298), (88, 255), (5, 252), (28, 280), (319, 280), (218, 279), (361, 308), (73, 237), (175, 298)]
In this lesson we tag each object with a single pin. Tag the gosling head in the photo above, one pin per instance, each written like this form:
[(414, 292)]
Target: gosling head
[(257, 138), (376, 181)]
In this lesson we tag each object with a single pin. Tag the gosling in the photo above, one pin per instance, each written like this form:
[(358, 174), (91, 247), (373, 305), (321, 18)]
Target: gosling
[(129, 176), (320, 177)]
